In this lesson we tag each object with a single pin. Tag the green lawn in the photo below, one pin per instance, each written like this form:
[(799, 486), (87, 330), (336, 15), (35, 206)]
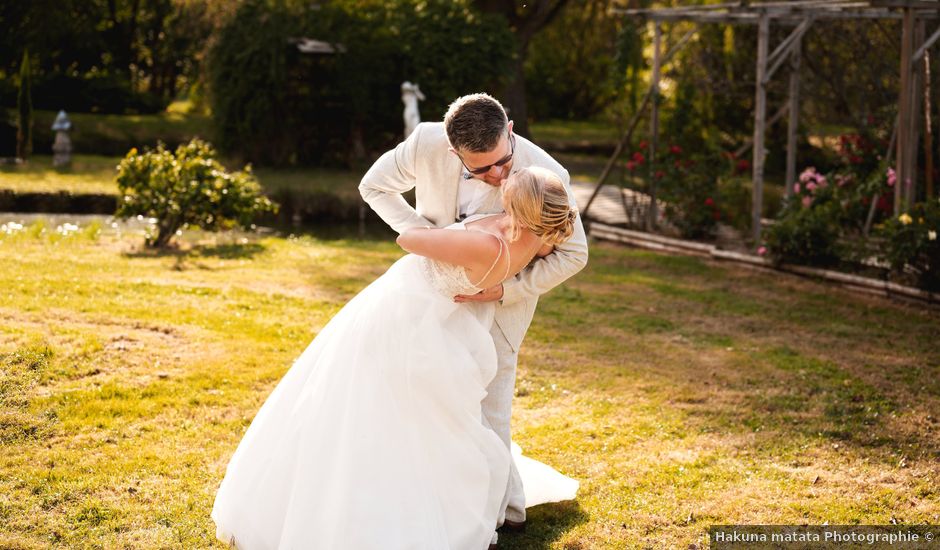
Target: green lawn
[(95, 174), (589, 131), (682, 393)]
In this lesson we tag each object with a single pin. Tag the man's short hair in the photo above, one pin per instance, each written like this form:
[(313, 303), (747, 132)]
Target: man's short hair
[(475, 122)]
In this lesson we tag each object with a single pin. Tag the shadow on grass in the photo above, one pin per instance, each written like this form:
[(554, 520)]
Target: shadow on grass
[(229, 251), (545, 524)]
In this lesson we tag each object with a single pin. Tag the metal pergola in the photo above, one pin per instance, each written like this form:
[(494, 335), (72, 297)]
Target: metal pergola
[(800, 15)]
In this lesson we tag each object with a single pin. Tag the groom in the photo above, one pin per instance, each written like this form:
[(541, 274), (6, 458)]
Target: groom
[(456, 168)]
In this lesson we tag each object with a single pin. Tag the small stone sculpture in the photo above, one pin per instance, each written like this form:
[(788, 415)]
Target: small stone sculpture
[(410, 95), (62, 146)]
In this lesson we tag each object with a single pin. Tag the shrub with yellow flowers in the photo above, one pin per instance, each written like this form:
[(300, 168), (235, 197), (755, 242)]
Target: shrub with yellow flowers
[(912, 245)]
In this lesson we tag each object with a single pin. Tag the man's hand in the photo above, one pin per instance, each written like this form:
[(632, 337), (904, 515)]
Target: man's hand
[(491, 294)]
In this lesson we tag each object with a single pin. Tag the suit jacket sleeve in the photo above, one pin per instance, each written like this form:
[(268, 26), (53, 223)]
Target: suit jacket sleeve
[(391, 175), (546, 273)]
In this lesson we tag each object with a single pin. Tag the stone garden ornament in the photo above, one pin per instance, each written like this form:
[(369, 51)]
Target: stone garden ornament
[(410, 95), (62, 146)]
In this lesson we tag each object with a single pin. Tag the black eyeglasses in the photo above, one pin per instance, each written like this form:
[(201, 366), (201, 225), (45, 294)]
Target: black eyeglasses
[(500, 162)]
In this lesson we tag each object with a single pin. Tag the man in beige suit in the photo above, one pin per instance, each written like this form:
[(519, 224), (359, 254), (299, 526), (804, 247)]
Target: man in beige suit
[(456, 168)]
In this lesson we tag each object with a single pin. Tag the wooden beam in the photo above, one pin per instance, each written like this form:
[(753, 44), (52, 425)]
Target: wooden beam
[(791, 17), (628, 134), (905, 109), (654, 125), (910, 184), (770, 122), (889, 155), (760, 112), (926, 46), (678, 45), (928, 129), (796, 57), (783, 50), (907, 4)]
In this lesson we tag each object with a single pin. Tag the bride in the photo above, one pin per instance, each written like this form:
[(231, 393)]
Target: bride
[(374, 438)]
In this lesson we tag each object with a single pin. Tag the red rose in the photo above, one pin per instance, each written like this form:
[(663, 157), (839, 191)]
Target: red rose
[(709, 202), (659, 174), (675, 150), (638, 157)]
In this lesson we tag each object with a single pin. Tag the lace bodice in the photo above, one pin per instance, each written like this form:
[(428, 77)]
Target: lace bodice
[(449, 279)]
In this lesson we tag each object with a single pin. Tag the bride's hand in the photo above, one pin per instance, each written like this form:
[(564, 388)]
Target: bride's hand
[(491, 294)]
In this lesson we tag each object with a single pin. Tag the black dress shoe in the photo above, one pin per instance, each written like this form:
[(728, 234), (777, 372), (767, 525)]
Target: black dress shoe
[(512, 527), (493, 546)]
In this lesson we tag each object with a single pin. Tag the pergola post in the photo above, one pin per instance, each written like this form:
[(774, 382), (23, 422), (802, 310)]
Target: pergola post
[(795, 63), (928, 129), (917, 82), (760, 115), (906, 119), (654, 123)]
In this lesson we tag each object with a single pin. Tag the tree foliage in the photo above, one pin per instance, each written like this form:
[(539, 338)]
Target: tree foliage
[(276, 105), (111, 56)]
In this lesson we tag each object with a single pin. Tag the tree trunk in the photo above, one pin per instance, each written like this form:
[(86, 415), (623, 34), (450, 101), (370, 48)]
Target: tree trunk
[(524, 21), (514, 99)]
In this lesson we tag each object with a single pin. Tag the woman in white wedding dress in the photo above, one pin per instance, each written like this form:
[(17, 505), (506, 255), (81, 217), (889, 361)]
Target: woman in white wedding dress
[(374, 438)]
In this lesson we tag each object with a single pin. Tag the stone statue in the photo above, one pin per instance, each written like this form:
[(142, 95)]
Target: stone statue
[(410, 95), (62, 146)]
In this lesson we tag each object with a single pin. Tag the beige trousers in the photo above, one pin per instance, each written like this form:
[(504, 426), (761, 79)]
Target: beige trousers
[(497, 413)]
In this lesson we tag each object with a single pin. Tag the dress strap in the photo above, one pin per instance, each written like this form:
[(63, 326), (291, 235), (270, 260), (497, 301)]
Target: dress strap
[(502, 244)]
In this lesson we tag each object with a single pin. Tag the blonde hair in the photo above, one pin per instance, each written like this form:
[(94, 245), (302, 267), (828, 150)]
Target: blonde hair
[(536, 200)]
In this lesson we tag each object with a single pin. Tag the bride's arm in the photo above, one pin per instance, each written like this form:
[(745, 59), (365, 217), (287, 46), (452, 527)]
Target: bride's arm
[(474, 250)]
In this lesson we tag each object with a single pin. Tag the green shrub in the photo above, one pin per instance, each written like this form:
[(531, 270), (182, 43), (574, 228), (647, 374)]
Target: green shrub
[(805, 236), (688, 186), (808, 228), (188, 187), (24, 108), (911, 242)]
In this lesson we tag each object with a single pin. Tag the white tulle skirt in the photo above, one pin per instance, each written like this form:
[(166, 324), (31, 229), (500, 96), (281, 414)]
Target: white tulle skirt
[(374, 438)]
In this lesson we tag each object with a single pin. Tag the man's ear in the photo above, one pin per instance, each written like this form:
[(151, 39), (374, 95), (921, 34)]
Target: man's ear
[(509, 127), (452, 150)]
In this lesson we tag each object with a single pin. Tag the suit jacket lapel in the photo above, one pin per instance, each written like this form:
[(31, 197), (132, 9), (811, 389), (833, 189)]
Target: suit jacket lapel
[(450, 179)]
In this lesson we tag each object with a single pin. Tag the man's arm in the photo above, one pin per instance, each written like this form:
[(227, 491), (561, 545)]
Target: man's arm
[(391, 175), (546, 273)]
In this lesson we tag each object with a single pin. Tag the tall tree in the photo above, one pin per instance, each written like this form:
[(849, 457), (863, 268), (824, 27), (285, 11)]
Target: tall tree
[(525, 19), (24, 108)]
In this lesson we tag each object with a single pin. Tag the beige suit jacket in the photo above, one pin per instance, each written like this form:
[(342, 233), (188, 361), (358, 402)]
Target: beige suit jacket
[(423, 163)]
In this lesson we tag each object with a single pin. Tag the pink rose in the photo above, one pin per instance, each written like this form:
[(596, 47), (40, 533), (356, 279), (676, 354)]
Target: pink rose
[(807, 201), (807, 174), (796, 187), (762, 251), (892, 177)]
